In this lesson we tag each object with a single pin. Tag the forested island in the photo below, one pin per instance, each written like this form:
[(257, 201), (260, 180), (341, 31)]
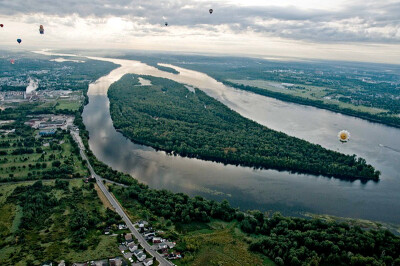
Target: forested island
[(167, 116)]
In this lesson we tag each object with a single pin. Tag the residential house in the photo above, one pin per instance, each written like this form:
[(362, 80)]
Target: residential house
[(157, 240), (148, 262), (170, 244), (122, 248), (122, 226), (128, 237), (128, 255), (116, 262), (132, 246), (162, 247), (139, 255), (150, 234), (99, 263)]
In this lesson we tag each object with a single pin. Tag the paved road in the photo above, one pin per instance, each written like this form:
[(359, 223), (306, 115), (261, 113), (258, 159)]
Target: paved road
[(118, 209)]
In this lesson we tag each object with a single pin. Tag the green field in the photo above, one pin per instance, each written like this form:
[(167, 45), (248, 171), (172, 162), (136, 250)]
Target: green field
[(26, 155), (220, 243), (67, 104), (49, 234), (308, 92)]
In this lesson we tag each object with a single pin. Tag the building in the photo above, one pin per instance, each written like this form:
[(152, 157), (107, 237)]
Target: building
[(128, 236), (139, 255), (55, 123), (116, 262), (157, 240), (132, 247), (47, 132), (148, 262)]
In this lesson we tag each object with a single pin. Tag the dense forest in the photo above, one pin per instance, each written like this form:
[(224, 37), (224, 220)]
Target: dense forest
[(293, 241), (59, 220), (167, 116)]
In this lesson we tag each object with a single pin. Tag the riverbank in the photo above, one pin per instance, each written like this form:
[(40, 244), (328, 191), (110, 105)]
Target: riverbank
[(386, 120)]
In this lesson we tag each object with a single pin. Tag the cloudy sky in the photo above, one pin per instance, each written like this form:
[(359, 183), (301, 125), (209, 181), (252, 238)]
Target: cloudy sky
[(362, 30)]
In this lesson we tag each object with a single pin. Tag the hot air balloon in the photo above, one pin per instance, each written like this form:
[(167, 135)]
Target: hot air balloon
[(1, 25), (12, 61), (166, 23), (211, 11), (344, 136), (19, 40), (41, 29)]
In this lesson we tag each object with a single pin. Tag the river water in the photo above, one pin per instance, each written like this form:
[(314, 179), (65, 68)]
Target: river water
[(244, 187)]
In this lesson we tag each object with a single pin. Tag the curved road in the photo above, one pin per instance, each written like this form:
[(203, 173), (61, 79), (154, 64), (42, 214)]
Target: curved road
[(115, 204)]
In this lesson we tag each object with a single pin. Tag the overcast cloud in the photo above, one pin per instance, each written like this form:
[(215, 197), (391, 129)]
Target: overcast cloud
[(324, 22)]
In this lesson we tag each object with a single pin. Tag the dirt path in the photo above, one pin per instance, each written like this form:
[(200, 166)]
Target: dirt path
[(103, 198)]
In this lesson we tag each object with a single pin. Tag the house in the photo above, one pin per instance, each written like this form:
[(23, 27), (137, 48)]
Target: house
[(149, 238), (157, 240), (116, 262), (139, 255), (161, 246), (127, 242), (149, 234), (170, 244), (132, 246), (128, 236), (122, 248), (107, 230), (128, 255), (99, 263), (47, 263), (141, 228), (148, 262), (174, 256), (122, 226), (62, 263)]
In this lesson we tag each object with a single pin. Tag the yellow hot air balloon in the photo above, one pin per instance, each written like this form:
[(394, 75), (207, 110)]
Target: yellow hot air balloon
[(344, 136)]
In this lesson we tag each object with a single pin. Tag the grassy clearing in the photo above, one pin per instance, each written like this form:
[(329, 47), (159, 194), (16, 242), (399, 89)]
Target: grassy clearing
[(220, 245), (103, 198), (366, 224), (68, 104), (306, 91)]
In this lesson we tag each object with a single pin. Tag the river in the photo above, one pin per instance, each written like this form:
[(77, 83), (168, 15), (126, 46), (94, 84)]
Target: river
[(244, 187)]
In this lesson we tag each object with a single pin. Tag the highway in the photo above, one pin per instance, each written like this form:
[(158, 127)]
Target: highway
[(117, 207)]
